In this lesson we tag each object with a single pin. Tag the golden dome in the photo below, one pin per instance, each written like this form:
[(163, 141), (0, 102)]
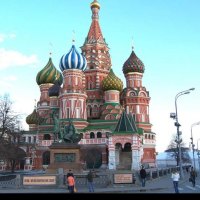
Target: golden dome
[(95, 4), (112, 82), (32, 118)]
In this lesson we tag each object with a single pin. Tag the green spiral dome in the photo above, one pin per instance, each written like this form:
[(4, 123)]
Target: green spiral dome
[(133, 64), (32, 118), (112, 82), (49, 74)]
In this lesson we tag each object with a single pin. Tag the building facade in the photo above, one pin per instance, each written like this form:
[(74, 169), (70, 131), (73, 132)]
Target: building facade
[(85, 90)]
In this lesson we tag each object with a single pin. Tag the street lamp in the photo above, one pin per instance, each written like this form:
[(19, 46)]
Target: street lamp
[(192, 142), (179, 140), (198, 153)]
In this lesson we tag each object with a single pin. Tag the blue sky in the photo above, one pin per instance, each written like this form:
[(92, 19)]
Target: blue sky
[(165, 35)]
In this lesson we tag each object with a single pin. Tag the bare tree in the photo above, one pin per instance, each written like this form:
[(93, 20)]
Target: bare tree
[(10, 133), (92, 157), (174, 152)]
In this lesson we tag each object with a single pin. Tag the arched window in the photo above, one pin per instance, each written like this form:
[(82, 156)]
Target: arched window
[(145, 136), (89, 111), (47, 137), (92, 135), (90, 85), (152, 137), (81, 134), (149, 136), (118, 146), (99, 135), (127, 147)]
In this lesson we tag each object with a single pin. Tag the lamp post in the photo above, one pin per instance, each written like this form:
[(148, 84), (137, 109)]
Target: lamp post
[(192, 142), (179, 140), (198, 153)]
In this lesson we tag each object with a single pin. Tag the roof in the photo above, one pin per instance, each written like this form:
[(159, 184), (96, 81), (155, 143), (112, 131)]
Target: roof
[(126, 124)]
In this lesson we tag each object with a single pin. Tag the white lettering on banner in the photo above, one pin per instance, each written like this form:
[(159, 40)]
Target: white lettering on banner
[(39, 180), (123, 178)]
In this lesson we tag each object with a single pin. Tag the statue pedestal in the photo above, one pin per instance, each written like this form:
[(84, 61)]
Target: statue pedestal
[(66, 156)]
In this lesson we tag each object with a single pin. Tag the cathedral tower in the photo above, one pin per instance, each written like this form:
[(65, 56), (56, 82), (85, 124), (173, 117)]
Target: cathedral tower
[(96, 51), (135, 99), (73, 95)]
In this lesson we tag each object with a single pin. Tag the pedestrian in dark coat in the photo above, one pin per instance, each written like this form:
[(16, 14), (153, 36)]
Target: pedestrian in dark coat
[(90, 177), (193, 176), (143, 175)]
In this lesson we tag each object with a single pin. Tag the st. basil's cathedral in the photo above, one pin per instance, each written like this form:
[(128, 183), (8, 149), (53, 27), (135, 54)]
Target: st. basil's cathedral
[(111, 120)]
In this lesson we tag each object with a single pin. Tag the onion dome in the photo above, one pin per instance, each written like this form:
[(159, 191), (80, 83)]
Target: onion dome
[(49, 74), (32, 118), (95, 4), (54, 90), (112, 82), (133, 64), (73, 60)]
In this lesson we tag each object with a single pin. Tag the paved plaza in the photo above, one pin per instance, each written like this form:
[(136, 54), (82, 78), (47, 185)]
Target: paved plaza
[(162, 184)]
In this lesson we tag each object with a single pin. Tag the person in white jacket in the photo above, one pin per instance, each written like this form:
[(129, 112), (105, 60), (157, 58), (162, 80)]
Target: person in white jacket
[(175, 178)]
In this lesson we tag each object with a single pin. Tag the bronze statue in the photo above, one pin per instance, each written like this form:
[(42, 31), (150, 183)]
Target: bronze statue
[(70, 135), (57, 129)]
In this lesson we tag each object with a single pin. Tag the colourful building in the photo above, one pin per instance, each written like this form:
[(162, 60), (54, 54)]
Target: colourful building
[(85, 90)]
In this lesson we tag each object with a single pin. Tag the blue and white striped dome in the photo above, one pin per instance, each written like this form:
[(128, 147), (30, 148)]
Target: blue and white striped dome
[(73, 60)]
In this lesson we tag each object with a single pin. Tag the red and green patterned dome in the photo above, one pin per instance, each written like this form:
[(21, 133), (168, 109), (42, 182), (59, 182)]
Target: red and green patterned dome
[(133, 64), (49, 74), (32, 118), (112, 82)]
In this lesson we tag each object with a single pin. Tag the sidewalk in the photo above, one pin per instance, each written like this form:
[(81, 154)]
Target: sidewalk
[(160, 183)]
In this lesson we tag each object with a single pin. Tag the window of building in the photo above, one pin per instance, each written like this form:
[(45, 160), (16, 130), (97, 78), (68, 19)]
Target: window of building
[(89, 111), (127, 147), (76, 81), (81, 134), (68, 112), (77, 112), (99, 135), (47, 137), (46, 158), (92, 135), (34, 139)]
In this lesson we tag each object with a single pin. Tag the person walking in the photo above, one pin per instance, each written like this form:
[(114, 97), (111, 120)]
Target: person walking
[(143, 175), (193, 176), (71, 183), (90, 177), (187, 169), (175, 177), (70, 173)]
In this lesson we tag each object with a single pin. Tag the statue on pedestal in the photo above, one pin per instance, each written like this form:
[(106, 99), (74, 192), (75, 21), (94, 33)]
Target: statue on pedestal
[(57, 130), (68, 134)]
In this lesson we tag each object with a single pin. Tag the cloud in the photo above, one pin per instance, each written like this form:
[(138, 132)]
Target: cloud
[(6, 83), (6, 36), (10, 78), (11, 58), (2, 37)]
